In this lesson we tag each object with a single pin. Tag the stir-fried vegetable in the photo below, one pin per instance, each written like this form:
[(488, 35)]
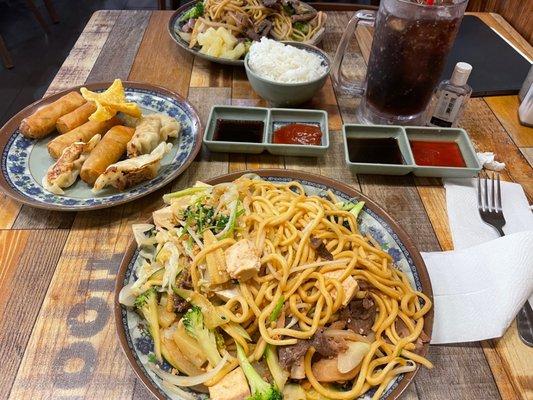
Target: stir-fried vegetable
[(193, 320), (261, 390), (278, 373), (212, 316), (146, 303), (194, 12)]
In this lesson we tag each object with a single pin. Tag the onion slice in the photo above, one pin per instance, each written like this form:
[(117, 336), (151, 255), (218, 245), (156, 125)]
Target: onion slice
[(127, 295), (186, 381), (177, 391)]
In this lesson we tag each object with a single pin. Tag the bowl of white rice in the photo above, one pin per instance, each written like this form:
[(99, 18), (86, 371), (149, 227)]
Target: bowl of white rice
[(286, 73)]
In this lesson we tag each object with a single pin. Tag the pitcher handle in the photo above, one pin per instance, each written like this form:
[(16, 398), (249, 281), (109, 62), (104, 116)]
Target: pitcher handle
[(340, 82)]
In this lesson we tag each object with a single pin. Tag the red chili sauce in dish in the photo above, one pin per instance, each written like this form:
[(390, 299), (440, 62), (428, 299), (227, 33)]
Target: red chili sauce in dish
[(298, 134), (437, 154)]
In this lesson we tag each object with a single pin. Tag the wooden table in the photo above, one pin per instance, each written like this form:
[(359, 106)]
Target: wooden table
[(57, 270)]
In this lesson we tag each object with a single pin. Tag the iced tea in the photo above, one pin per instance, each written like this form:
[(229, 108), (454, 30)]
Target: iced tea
[(407, 58)]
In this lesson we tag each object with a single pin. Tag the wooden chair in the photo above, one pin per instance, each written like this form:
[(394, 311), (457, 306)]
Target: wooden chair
[(4, 54)]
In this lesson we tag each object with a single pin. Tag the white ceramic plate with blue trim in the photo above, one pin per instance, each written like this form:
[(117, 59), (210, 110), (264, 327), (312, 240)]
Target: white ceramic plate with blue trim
[(24, 161), (137, 343)]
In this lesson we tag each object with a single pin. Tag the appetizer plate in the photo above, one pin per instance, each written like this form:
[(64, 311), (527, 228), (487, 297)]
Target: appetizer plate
[(24, 162), (173, 24), (373, 220)]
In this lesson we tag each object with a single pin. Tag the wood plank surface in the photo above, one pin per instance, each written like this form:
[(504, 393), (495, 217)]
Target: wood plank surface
[(61, 342), (28, 260)]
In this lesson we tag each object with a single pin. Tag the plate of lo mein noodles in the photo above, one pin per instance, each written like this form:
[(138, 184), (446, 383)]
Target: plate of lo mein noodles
[(273, 284), (223, 30)]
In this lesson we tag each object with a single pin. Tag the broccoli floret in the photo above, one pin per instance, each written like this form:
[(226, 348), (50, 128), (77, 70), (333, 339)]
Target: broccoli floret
[(146, 303), (193, 320), (261, 390), (195, 12)]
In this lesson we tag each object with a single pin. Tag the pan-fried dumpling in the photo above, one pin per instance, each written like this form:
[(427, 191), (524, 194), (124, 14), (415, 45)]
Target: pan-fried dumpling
[(64, 172), (131, 171), (150, 132)]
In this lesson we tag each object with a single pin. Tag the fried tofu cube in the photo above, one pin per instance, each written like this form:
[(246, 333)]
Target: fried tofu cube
[(349, 284), (242, 260), (232, 387)]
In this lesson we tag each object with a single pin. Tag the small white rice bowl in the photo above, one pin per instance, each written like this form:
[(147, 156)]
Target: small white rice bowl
[(284, 63)]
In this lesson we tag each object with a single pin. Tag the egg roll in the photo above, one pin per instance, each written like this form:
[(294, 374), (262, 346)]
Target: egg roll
[(107, 151), (82, 133), (75, 118), (43, 122)]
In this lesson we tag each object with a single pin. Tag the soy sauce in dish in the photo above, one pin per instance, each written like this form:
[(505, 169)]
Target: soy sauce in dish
[(232, 130), (374, 150), (437, 154), (305, 134)]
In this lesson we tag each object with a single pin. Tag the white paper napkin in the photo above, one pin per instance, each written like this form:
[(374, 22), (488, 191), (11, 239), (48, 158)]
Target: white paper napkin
[(480, 286), (478, 291), (465, 223)]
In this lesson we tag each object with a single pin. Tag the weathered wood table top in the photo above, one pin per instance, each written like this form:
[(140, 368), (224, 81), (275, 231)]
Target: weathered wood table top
[(57, 270)]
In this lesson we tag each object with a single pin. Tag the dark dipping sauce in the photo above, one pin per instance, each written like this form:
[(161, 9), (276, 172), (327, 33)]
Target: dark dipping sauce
[(298, 134), (437, 154), (374, 151), (231, 130)]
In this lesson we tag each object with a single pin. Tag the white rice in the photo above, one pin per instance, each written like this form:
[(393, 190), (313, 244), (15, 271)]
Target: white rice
[(283, 63)]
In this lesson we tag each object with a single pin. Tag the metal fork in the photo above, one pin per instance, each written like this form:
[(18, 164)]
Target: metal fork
[(490, 210)]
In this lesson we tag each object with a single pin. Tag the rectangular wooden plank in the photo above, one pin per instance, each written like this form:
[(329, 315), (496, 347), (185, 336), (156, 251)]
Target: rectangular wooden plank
[(207, 74), (505, 108), (488, 134), (83, 55), (10, 209), (159, 60), (242, 93), (28, 260), (528, 154), (116, 58)]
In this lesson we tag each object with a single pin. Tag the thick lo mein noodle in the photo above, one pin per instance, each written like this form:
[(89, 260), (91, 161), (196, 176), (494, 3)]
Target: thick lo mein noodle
[(280, 276)]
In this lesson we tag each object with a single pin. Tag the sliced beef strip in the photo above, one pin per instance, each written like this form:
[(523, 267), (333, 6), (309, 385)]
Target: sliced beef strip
[(364, 285), (180, 305), (271, 3), (321, 248), (324, 345), (360, 315), (308, 16), (264, 27), (251, 34), (241, 20)]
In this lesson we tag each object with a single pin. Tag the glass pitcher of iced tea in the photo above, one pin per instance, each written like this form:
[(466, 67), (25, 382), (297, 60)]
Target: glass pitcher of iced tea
[(412, 39)]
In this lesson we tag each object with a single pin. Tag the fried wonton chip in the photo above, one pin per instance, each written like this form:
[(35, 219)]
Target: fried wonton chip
[(110, 102)]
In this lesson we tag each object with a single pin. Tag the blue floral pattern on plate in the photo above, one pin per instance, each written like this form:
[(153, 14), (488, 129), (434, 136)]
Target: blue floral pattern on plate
[(25, 161), (370, 223)]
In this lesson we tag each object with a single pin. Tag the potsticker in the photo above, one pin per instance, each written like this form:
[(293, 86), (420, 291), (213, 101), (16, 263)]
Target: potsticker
[(64, 172)]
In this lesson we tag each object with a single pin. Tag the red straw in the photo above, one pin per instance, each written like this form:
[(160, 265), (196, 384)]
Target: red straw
[(429, 2)]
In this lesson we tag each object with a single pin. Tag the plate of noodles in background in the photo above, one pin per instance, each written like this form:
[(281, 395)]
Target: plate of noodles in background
[(222, 31), (337, 303)]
